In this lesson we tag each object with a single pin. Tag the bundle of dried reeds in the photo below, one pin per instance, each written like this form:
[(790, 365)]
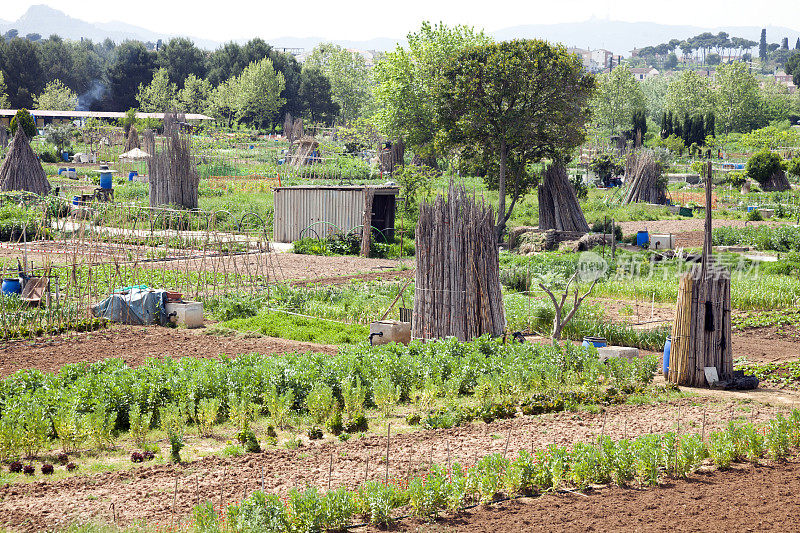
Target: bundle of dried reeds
[(558, 206), (644, 181), (172, 172), (21, 169), (458, 275), (132, 140)]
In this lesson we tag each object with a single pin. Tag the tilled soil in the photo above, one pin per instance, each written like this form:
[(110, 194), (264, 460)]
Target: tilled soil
[(745, 498), (146, 493), (135, 344), (688, 232)]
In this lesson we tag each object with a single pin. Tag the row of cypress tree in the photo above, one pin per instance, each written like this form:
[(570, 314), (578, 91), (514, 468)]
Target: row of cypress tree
[(692, 129)]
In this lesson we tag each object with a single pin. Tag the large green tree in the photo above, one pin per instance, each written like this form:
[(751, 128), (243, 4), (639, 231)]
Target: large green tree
[(180, 57), (351, 79), (56, 96), (407, 78), (194, 96), (618, 97), (5, 103), (793, 67), (689, 94), (315, 96), (157, 96), (258, 93), (516, 103), (737, 104), (22, 67), (132, 65)]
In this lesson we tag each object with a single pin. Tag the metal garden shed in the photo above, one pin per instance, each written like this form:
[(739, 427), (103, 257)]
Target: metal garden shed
[(319, 211)]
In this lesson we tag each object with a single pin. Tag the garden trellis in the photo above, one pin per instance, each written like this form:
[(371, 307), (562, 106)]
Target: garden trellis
[(105, 247)]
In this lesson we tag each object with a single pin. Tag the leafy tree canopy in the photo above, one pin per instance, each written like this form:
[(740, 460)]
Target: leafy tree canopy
[(515, 103)]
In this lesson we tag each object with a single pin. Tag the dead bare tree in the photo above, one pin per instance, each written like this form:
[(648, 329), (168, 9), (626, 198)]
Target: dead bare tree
[(559, 321)]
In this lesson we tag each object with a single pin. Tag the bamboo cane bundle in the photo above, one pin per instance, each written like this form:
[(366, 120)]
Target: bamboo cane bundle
[(644, 179), (558, 206), (458, 275)]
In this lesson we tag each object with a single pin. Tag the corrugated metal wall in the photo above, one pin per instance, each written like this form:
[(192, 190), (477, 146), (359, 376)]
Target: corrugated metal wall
[(297, 209)]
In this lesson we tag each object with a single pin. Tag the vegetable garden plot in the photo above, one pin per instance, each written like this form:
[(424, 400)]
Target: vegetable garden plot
[(114, 246)]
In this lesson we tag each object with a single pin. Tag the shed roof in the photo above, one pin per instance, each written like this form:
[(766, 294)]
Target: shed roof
[(51, 113), (386, 189)]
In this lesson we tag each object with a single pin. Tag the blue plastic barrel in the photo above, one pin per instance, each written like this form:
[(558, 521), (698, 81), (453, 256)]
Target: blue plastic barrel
[(132, 174), (105, 180), (751, 208), (11, 286), (60, 170), (667, 350), (76, 200), (65, 156), (642, 238), (597, 342)]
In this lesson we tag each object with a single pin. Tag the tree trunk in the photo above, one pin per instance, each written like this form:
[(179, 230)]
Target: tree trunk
[(501, 190)]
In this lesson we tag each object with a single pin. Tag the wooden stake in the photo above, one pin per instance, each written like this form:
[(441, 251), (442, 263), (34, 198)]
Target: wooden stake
[(174, 498), (508, 437), (330, 472), (388, 438), (366, 471)]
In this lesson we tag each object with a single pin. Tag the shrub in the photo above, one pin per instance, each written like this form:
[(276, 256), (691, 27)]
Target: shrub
[(763, 165), (24, 118), (793, 167), (754, 216)]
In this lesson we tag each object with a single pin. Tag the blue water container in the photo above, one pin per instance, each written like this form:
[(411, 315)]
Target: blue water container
[(105, 180), (642, 238), (132, 174), (597, 342), (65, 156), (76, 200), (751, 208), (667, 350), (60, 170), (11, 286)]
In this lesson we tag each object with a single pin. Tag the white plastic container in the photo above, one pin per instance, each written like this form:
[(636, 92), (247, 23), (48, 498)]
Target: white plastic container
[(386, 331), (189, 314), (662, 242)]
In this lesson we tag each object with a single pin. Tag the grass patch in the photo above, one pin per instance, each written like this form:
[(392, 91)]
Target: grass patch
[(285, 326)]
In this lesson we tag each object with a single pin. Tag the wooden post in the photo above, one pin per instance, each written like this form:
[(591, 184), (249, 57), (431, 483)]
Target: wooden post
[(366, 231)]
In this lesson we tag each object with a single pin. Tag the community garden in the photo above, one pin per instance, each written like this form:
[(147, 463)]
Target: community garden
[(285, 412)]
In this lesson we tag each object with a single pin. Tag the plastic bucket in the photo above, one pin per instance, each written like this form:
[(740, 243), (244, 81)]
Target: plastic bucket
[(642, 238), (597, 342), (667, 350), (105, 180), (11, 286)]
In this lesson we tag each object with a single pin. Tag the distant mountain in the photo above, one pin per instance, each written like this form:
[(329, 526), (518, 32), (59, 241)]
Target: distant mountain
[(622, 37), (618, 37), (47, 21)]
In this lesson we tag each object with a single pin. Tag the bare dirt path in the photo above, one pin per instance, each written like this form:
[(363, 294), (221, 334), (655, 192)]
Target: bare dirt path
[(147, 492), (745, 498), (135, 344), (688, 232)]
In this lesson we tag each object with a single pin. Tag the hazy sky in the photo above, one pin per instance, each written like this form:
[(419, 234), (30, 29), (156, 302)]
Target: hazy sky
[(361, 19)]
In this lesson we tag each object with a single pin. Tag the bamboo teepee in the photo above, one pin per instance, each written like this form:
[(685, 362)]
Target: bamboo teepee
[(644, 180), (22, 170), (558, 206)]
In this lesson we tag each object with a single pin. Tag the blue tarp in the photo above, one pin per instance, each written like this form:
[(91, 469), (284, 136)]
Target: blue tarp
[(138, 307)]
